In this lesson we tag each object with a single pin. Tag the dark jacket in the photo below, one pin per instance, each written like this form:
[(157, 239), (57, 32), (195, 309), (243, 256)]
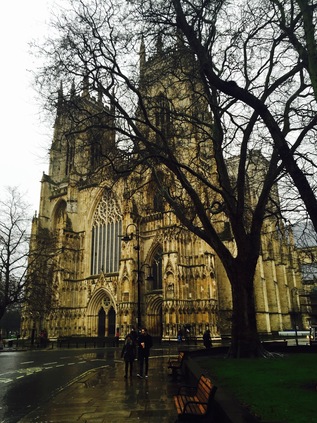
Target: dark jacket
[(133, 335), (145, 339), (128, 350), (207, 339)]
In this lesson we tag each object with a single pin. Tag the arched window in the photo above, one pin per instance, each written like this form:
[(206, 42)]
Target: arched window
[(157, 270), (70, 154), (107, 224), (158, 202), (163, 115), (60, 216)]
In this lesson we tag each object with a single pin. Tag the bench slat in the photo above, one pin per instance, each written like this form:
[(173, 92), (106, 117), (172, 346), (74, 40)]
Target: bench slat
[(198, 402)]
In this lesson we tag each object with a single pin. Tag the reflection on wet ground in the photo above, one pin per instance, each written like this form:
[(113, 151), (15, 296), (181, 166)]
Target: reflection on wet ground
[(104, 395)]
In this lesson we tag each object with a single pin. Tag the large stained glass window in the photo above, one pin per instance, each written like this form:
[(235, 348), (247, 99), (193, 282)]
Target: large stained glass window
[(106, 231)]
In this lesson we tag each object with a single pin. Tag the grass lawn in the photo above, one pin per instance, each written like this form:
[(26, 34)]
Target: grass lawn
[(280, 389)]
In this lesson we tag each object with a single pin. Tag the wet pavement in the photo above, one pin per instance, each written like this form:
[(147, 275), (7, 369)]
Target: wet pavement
[(104, 395)]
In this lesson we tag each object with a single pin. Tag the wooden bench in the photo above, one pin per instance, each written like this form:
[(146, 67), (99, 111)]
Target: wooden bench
[(195, 403), (176, 365)]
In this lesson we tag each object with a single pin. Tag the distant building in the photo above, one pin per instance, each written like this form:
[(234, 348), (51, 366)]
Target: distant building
[(306, 244)]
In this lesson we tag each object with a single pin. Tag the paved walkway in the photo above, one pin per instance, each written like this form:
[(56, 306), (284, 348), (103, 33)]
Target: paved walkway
[(104, 396)]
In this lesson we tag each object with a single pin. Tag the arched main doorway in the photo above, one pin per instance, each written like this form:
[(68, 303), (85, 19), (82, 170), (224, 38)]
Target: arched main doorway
[(101, 314), (101, 322), (111, 322)]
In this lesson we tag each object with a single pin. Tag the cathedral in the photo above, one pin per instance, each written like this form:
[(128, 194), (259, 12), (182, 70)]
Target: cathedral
[(118, 257)]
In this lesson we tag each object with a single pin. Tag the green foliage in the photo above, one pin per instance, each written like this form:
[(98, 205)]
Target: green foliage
[(276, 389)]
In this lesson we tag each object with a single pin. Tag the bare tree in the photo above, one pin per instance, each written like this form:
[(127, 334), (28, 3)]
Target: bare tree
[(21, 261), (14, 248), (268, 63), (43, 258), (249, 93)]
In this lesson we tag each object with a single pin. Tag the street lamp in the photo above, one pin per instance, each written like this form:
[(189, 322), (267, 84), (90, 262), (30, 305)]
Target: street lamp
[(126, 238), (294, 292)]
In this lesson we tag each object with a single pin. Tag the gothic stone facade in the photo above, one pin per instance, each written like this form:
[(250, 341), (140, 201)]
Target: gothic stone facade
[(181, 282)]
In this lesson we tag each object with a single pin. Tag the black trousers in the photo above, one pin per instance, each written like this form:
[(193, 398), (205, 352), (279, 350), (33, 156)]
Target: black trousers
[(143, 360), (127, 365)]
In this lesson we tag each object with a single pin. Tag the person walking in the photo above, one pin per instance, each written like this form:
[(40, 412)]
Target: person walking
[(128, 354), (207, 339), (133, 335), (144, 345)]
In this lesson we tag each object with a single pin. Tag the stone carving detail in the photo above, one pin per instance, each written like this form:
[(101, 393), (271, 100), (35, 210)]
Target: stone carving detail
[(110, 284)]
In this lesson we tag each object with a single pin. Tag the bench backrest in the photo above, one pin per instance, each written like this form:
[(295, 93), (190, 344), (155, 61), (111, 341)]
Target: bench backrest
[(205, 389)]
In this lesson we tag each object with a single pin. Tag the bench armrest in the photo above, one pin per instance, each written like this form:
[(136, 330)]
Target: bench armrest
[(188, 403)]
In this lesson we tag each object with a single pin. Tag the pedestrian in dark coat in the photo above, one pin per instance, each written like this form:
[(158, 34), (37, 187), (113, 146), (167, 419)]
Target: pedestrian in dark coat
[(207, 339), (133, 335), (128, 354), (144, 345)]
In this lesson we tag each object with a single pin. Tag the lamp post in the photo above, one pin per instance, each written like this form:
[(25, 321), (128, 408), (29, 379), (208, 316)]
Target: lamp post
[(126, 238), (294, 292)]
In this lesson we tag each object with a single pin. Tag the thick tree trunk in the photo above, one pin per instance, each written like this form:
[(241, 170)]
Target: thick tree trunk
[(245, 341), (2, 310)]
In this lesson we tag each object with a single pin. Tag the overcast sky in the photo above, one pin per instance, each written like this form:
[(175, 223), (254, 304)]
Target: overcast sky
[(24, 138)]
